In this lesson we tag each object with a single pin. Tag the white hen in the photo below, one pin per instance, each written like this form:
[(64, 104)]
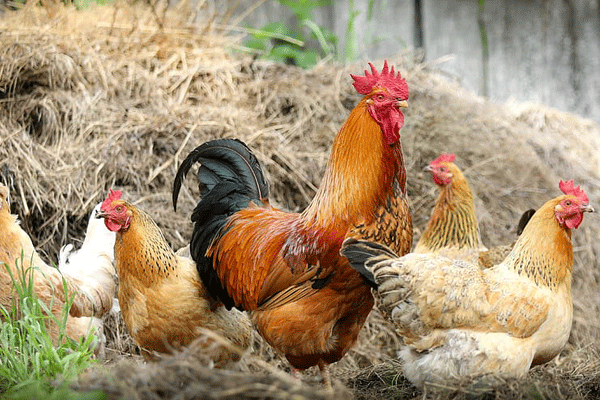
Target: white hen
[(92, 266), (98, 241)]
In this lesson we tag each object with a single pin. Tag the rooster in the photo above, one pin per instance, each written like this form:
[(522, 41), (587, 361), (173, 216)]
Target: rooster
[(458, 320), (91, 290), (164, 304), (285, 268)]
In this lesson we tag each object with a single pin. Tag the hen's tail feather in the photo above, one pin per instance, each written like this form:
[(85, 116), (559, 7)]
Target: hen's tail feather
[(363, 254), (63, 255), (224, 160), (525, 217)]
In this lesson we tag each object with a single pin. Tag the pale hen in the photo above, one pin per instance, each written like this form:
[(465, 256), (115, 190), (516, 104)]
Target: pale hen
[(458, 320)]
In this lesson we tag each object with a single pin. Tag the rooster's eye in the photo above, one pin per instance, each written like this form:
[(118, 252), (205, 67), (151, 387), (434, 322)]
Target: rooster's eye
[(568, 202), (119, 208), (380, 97)]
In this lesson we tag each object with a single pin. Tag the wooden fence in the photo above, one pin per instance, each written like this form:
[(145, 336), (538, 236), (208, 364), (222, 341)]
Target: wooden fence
[(545, 51)]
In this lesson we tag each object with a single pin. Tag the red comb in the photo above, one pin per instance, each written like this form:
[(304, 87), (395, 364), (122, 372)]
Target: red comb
[(394, 83), (112, 196), (444, 158), (569, 187)]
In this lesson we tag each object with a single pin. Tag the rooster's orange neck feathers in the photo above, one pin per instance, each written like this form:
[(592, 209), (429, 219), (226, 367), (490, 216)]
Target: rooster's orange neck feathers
[(358, 178)]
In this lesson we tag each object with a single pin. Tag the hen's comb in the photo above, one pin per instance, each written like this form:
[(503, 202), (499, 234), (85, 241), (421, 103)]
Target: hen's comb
[(112, 196), (569, 187), (444, 158), (388, 79)]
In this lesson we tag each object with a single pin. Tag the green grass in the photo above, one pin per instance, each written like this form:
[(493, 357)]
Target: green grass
[(30, 365)]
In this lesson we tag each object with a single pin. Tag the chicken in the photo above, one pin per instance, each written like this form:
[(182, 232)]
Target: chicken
[(458, 320), (285, 268), (452, 230), (93, 264), (99, 242), (90, 298), (164, 304)]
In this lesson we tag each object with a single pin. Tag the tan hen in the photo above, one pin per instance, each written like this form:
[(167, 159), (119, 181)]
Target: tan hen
[(458, 320)]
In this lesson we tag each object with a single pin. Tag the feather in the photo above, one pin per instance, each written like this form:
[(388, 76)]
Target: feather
[(209, 217), (362, 253), (230, 178), (525, 217), (224, 159)]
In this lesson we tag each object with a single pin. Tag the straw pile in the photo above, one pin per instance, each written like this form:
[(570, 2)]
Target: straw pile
[(115, 97)]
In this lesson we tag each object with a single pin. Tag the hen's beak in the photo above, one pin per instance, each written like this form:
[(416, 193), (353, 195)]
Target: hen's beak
[(100, 214), (428, 168), (402, 104), (586, 208)]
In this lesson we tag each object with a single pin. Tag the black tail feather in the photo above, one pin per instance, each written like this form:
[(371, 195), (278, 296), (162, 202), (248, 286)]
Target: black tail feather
[(525, 217), (223, 159), (362, 253), (230, 177)]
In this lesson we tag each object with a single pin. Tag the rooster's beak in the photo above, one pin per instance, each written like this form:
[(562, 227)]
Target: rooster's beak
[(428, 168), (100, 214), (586, 208), (402, 104)]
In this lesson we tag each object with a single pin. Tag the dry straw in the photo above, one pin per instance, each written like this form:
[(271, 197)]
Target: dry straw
[(116, 97)]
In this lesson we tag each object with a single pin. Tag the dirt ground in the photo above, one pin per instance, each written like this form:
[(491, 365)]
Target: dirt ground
[(116, 96)]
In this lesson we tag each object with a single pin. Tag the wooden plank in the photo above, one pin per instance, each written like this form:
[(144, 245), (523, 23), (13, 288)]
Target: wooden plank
[(451, 33), (384, 31), (539, 50)]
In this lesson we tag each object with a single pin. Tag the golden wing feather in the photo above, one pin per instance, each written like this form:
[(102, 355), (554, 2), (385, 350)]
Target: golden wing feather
[(422, 293)]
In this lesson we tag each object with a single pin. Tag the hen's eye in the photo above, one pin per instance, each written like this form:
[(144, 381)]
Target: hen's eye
[(380, 97), (568, 202), (119, 208)]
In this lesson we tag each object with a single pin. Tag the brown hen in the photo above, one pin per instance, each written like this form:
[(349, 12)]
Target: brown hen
[(164, 304)]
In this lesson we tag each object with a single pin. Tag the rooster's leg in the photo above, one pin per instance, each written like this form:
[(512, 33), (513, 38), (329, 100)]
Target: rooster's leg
[(324, 367)]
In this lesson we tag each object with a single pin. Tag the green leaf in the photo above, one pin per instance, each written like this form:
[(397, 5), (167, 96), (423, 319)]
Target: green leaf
[(284, 53), (307, 59), (278, 28), (317, 32), (257, 44), (303, 9), (351, 40)]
